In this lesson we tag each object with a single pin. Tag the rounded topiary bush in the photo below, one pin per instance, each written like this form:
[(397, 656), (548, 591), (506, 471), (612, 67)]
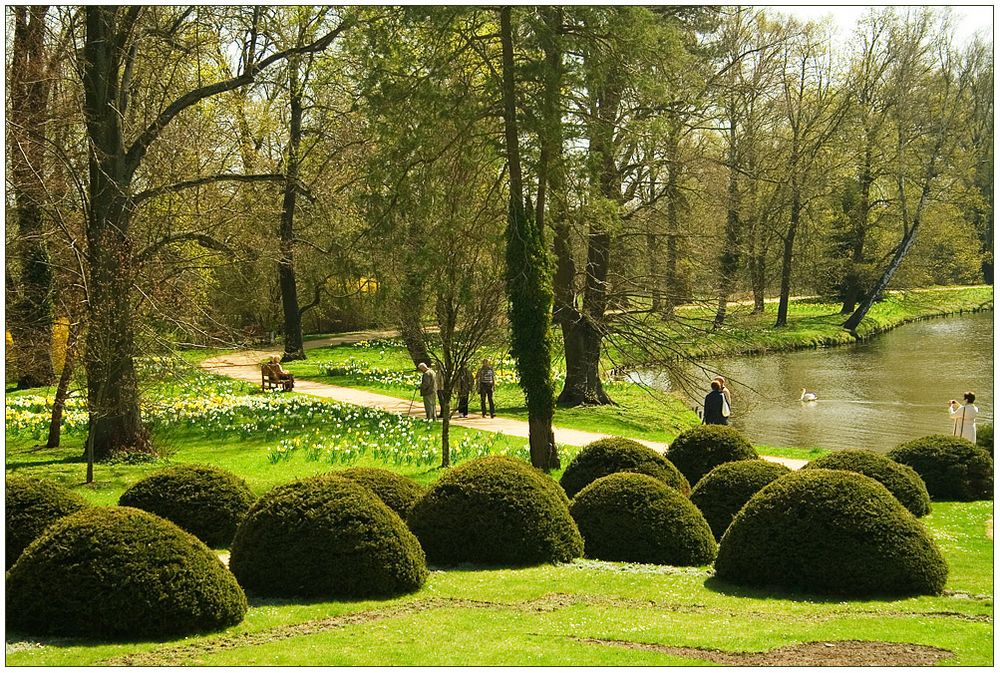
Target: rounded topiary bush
[(33, 504), (722, 492), (205, 501), (952, 468), (398, 492), (830, 532), (984, 438), (325, 537), (697, 450), (618, 454), (498, 511), (901, 480), (119, 572), (633, 517)]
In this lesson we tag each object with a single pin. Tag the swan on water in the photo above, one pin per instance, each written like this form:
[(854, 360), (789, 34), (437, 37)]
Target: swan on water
[(807, 397)]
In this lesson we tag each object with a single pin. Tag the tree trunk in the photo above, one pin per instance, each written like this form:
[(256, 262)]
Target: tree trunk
[(583, 381), (675, 294), (446, 429), (112, 388), (729, 260), (62, 389), (786, 257), (30, 317), (528, 281), (286, 265), (852, 282), (652, 253), (851, 324), (756, 263)]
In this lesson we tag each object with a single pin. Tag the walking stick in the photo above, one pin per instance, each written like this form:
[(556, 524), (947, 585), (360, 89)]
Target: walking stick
[(412, 397)]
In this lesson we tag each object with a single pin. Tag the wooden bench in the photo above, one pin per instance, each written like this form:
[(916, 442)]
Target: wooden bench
[(271, 380)]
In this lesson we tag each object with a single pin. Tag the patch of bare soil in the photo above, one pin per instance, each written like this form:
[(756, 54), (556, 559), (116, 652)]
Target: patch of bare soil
[(836, 653)]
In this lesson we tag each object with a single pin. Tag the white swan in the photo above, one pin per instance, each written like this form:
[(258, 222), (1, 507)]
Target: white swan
[(807, 397)]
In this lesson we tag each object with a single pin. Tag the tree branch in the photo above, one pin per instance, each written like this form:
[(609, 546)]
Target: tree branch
[(151, 132), (222, 177), (204, 240)]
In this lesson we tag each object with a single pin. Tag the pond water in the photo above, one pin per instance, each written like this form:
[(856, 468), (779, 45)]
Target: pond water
[(873, 395)]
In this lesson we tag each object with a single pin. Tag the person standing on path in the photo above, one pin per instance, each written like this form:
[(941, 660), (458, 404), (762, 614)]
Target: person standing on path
[(439, 389), (464, 388), (486, 378), (963, 417), (713, 406), (428, 388)]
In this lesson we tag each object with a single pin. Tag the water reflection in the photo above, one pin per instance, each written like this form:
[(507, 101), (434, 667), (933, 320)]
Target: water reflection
[(871, 396)]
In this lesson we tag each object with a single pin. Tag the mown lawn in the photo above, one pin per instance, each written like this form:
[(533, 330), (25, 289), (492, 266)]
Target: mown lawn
[(550, 615)]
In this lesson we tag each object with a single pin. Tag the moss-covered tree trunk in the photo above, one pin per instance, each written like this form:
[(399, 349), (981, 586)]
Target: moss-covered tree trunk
[(529, 285)]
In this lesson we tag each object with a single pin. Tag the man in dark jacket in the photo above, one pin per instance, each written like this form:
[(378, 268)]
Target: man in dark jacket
[(713, 406)]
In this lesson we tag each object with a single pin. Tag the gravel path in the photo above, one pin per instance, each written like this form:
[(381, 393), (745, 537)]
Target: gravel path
[(244, 365)]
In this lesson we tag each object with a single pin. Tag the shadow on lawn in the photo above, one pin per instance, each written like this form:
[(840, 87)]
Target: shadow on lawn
[(780, 593)]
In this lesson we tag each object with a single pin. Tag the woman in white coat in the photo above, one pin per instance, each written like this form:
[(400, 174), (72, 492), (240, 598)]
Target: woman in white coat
[(963, 417)]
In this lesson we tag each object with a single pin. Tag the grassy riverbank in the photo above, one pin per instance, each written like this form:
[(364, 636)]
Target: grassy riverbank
[(813, 323)]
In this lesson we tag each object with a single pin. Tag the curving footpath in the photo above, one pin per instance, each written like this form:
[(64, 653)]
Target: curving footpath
[(245, 365)]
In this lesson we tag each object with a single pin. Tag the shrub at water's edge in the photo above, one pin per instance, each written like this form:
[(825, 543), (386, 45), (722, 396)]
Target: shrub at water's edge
[(32, 504), (119, 572), (901, 480), (628, 516), (496, 511), (952, 468), (984, 437), (722, 492), (400, 493), (325, 537), (830, 532), (696, 451), (618, 454), (206, 501)]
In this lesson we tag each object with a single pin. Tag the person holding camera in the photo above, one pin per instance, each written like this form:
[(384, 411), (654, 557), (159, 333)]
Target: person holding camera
[(963, 417)]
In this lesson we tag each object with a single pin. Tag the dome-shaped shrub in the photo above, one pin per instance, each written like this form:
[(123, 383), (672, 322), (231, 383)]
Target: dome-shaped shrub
[(618, 454), (395, 490), (984, 437), (119, 572), (633, 517), (325, 537), (952, 468), (901, 480), (32, 505), (697, 450), (498, 511), (722, 492), (205, 501), (830, 532)]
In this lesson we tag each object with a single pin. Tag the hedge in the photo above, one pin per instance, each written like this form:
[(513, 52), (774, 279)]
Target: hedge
[(697, 450), (32, 505), (721, 493), (618, 454), (901, 480), (952, 468)]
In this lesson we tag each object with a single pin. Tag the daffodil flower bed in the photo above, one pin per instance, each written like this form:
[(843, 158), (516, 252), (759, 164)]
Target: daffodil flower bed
[(318, 430)]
